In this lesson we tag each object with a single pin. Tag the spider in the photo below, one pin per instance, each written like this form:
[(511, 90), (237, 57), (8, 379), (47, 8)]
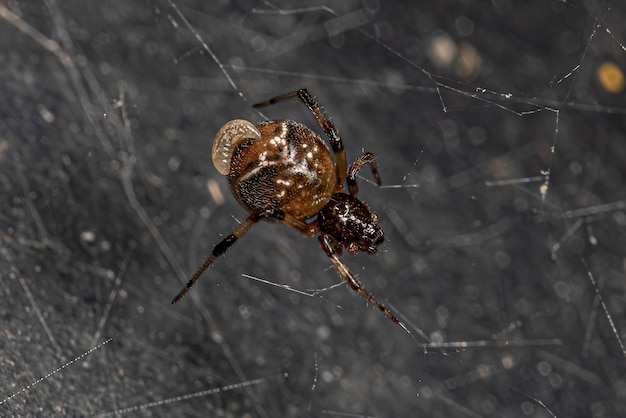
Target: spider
[(281, 171)]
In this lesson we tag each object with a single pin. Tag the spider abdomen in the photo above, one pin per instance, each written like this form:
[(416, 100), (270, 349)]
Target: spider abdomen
[(289, 169)]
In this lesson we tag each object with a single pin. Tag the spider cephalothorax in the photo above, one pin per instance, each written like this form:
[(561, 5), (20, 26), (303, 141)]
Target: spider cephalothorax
[(282, 171), (350, 222)]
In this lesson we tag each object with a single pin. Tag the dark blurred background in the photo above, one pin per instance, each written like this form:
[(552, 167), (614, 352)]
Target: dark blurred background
[(499, 131)]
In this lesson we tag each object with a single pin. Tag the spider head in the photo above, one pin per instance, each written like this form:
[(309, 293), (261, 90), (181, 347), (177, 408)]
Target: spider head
[(372, 236), (350, 222)]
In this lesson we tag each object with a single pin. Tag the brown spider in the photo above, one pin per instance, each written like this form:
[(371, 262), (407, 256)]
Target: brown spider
[(282, 171)]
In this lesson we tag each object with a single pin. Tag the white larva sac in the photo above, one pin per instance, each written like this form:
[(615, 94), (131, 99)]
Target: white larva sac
[(227, 139)]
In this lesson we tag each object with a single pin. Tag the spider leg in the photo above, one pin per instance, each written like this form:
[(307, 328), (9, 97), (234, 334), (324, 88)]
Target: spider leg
[(333, 250), (329, 129), (307, 229), (218, 250), (367, 158)]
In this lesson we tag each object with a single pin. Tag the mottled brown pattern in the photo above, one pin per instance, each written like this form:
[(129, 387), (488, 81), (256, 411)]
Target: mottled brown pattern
[(289, 168), (348, 220)]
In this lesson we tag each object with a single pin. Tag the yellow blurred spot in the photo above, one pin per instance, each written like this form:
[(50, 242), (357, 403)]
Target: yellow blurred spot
[(442, 50), (467, 61), (611, 77), (484, 371), (507, 361), (215, 191)]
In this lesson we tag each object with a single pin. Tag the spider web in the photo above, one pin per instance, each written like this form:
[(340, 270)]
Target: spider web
[(498, 129)]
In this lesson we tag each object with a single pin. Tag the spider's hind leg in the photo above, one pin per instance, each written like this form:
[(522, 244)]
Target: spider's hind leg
[(218, 250), (333, 249)]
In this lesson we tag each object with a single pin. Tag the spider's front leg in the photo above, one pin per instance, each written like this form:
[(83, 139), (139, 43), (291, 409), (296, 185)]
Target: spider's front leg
[(218, 250), (333, 249), (366, 158)]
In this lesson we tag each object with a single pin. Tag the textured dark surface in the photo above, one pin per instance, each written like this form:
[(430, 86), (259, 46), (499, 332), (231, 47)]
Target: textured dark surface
[(107, 115)]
